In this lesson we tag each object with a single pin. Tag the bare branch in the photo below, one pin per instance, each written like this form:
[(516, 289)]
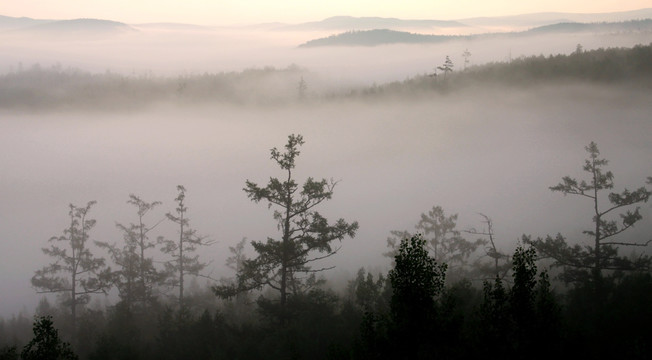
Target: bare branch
[(628, 244)]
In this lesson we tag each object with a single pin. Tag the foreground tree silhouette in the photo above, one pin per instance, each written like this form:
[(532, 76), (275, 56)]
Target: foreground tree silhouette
[(588, 263), (416, 280), (281, 262), (46, 344), (75, 271), (513, 323), (442, 240)]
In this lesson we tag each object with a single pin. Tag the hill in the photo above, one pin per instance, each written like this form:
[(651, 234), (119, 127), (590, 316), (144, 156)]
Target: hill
[(369, 23), (376, 37), (10, 23), (612, 66), (58, 28), (572, 27), (385, 36), (80, 25), (550, 18), (466, 25)]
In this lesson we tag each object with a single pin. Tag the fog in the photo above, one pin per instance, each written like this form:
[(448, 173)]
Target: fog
[(494, 151), (489, 149), (173, 50)]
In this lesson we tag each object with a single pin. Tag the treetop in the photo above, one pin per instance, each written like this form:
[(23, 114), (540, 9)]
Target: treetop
[(286, 159)]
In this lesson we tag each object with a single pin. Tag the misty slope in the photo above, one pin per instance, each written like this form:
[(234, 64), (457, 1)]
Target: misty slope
[(38, 88), (56, 87), (602, 66), (385, 36), (74, 27), (605, 27), (377, 37), (549, 18), (348, 23), (7, 22)]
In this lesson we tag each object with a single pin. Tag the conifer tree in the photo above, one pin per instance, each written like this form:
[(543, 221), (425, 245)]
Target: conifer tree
[(137, 277), (447, 66), (587, 263), (182, 263), (75, 272), (284, 264)]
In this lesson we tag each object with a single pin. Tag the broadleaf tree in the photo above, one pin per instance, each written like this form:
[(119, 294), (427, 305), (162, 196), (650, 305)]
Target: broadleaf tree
[(284, 264), (75, 272), (443, 241), (588, 262), (46, 344)]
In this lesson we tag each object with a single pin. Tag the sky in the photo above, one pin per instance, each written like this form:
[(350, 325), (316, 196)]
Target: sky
[(241, 12)]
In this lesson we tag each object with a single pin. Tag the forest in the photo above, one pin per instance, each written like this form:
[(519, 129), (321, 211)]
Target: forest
[(230, 180), (37, 88), (450, 293)]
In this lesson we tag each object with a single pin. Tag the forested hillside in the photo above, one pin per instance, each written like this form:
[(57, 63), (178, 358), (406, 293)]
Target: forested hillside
[(614, 66), (41, 88)]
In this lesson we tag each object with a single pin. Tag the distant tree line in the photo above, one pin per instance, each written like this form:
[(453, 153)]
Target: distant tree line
[(445, 296), (37, 87), (610, 66), (40, 88)]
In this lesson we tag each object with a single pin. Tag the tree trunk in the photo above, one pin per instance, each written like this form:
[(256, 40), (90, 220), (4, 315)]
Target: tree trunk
[(143, 295), (597, 270), (181, 264), (73, 288), (285, 245)]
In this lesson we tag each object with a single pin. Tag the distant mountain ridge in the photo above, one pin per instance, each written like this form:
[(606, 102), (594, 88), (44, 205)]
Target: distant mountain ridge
[(369, 23), (82, 24), (385, 36), (52, 27), (8, 22), (570, 27), (345, 23), (549, 18)]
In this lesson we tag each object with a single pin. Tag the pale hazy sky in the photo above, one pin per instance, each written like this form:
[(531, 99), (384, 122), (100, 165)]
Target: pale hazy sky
[(229, 12)]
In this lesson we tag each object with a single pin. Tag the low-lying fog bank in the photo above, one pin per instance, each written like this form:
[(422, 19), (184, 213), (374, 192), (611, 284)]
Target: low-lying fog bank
[(491, 150), (174, 51)]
